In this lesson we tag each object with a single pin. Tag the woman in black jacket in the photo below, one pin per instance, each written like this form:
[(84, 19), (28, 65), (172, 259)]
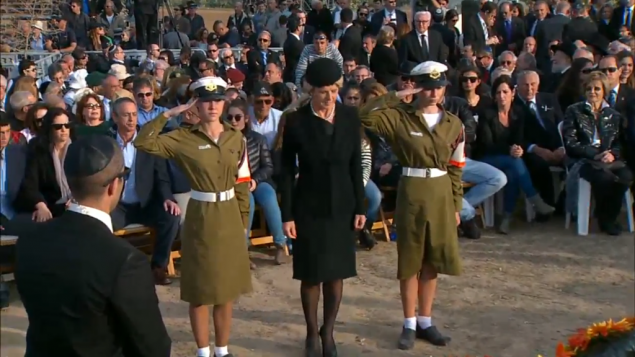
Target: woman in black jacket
[(44, 190), (591, 132), (384, 62), (499, 137), (262, 188)]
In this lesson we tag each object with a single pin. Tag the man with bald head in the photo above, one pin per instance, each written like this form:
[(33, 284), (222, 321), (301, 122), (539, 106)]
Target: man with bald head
[(77, 280), (421, 45), (542, 144), (551, 30)]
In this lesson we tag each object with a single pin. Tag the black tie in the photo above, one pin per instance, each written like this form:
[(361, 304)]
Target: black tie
[(424, 48)]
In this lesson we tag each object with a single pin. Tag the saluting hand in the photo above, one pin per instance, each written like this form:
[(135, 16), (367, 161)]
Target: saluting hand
[(172, 208), (360, 221), (289, 229), (408, 91), (181, 108)]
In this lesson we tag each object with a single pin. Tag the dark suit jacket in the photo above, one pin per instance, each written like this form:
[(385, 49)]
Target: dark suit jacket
[(87, 292), (384, 63), (307, 36), (255, 64), (549, 30), (152, 181), (39, 184), (351, 43), (548, 136), (292, 50), (377, 21), (488, 138), (473, 33), (582, 28), (624, 103), (517, 36), (616, 22), (410, 48), (15, 160)]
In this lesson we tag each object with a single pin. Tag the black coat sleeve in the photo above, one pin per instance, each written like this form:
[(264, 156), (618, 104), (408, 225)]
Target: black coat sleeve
[(30, 194), (136, 310), (572, 144), (288, 169), (265, 169), (162, 179)]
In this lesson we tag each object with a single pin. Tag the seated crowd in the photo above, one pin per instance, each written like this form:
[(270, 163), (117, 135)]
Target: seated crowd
[(524, 129)]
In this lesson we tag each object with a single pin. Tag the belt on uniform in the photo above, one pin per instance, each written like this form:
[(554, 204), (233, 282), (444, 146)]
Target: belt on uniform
[(423, 173), (212, 196)]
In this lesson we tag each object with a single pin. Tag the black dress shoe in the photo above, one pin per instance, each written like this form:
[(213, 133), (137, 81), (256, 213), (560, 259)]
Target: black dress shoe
[(312, 347), (327, 351), (366, 237), (407, 339), (432, 335), (470, 229), (611, 228)]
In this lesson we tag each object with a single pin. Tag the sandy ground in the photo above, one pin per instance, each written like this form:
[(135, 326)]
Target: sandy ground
[(518, 296)]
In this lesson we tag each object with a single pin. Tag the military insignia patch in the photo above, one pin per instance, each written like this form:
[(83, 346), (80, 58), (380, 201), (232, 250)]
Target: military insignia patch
[(435, 74)]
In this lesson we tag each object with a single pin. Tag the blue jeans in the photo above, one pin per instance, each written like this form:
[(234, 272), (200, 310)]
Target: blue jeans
[(517, 179), (373, 196), (487, 181), (265, 196)]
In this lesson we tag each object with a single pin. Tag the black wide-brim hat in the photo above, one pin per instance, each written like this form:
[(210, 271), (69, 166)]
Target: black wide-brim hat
[(323, 72), (406, 67)]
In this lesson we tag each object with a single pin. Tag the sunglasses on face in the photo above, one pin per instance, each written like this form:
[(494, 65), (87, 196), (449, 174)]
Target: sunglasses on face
[(506, 63), (469, 79), (264, 40), (263, 101), (593, 89), (92, 106), (60, 126), (147, 95), (236, 118), (228, 57), (608, 70)]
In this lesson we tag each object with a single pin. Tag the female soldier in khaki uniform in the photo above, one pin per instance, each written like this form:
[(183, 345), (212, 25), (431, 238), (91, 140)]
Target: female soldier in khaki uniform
[(215, 263), (429, 143)]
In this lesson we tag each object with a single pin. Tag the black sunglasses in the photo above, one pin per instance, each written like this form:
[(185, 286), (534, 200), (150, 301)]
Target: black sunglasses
[(238, 117), (609, 70), (122, 175), (587, 70), (469, 79), (60, 126), (147, 94)]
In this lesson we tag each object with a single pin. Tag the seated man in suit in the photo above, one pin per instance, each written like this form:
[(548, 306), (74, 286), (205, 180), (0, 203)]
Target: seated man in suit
[(12, 166), (147, 196), (544, 148), (87, 292)]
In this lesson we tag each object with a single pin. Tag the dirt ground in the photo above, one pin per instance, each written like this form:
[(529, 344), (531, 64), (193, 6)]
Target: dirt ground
[(519, 295)]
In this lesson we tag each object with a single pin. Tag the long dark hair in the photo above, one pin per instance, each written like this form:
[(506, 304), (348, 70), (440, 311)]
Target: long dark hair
[(43, 140), (571, 86)]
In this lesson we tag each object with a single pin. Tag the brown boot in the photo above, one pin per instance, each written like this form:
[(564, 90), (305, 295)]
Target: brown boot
[(281, 255), (161, 276)]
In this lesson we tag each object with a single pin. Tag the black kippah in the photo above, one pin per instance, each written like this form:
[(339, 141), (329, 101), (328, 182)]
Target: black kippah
[(323, 72), (89, 155)]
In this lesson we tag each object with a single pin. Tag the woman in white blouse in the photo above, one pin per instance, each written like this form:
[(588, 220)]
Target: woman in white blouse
[(33, 120)]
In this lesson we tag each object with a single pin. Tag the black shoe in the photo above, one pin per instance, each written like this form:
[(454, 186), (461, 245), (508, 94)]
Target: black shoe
[(470, 229), (312, 347), (432, 335), (366, 237), (327, 351), (407, 339), (611, 228)]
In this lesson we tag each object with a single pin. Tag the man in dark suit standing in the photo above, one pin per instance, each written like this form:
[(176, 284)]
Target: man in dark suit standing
[(622, 16), (390, 14), (511, 30), (258, 57), (551, 30), (292, 48), (421, 44), (147, 196), (478, 29), (307, 32), (146, 14), (543, 146), (351, 38), (581, 25), (86, 291), (535, 19)]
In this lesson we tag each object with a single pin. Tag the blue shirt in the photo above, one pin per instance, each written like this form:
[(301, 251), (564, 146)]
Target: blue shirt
[(5, 204), (146, 116), (129, 194)]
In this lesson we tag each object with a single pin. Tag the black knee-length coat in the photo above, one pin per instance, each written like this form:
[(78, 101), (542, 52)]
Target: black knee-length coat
[(328, 193)]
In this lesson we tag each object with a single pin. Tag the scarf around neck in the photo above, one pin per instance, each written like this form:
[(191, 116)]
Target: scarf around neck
[(60, 177)]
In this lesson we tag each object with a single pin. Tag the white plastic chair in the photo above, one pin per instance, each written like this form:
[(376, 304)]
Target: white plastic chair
[(494, 201), (584, 204)]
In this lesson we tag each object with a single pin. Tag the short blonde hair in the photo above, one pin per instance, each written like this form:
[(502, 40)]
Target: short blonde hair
[(386, 35), (372, 91), (597, 76)]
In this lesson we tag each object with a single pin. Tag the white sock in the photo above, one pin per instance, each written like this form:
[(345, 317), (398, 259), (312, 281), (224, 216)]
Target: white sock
[(203, 352), (221, 351), (410, 323), (424, 321)]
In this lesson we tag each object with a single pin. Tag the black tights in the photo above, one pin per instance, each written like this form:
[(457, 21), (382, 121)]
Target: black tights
[(310, 294)]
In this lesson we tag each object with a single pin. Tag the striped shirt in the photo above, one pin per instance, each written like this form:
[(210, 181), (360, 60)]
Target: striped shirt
[(367, 161), (309, 54)]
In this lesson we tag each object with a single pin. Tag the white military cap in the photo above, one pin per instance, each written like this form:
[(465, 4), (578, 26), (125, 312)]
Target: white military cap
[(209, 89), (430, 74)]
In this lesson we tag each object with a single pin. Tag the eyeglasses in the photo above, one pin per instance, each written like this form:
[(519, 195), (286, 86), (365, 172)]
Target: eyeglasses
[(237, 117), (506, 63), (263, 101), (594, 89), (92, 106), (122, 175), (147, 95), (469, 79), (60, 126), (587, 70), (264, 40), (212, 50), (363, 14), (228, 57), (608, 70)]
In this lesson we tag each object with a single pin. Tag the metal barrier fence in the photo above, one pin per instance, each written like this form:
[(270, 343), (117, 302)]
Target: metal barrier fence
[(43, 60)]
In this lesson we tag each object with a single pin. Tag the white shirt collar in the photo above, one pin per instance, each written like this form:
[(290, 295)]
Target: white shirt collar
[(564, 70), (92, 212), (616, 89), (604, 104), (295, 35), (120, 140)]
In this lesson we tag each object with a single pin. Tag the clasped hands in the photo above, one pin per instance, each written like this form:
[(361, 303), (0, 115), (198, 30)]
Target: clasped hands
[(290, 232)]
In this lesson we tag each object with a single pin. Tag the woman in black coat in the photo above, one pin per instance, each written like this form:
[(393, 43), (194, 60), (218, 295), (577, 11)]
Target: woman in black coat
[(326, 204), (384, 62), (44, 190)]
